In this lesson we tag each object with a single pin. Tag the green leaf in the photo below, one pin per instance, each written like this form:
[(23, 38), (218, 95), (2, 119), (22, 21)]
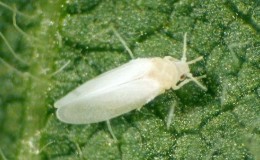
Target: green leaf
[(58, 45)]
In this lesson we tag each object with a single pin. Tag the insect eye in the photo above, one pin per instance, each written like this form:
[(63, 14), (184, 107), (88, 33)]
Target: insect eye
[(182, 77)]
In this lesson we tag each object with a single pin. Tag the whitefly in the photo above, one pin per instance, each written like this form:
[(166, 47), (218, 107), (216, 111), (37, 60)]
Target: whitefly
[(125, 88)]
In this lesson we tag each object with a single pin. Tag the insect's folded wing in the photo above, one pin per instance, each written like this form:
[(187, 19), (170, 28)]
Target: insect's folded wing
[(109, 103), (120, 75)]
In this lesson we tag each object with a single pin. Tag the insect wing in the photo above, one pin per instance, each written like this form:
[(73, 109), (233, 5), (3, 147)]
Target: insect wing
[(109, 103), (123, 74)]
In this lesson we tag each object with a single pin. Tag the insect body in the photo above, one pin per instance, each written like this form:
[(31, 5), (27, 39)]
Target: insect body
[(124, 88)]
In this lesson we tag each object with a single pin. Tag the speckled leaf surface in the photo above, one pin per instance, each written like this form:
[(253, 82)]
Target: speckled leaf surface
[(58, 45)]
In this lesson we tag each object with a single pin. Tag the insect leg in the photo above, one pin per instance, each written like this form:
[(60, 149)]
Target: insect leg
[(170, 115), (181, 84), (191, 78), (195, 60), (110, 130)]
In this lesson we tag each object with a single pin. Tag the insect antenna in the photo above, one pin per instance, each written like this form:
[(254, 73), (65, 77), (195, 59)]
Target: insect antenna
[(184, 58), (195, 79)]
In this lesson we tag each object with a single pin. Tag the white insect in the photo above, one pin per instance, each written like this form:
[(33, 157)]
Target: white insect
[(124, 88)]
